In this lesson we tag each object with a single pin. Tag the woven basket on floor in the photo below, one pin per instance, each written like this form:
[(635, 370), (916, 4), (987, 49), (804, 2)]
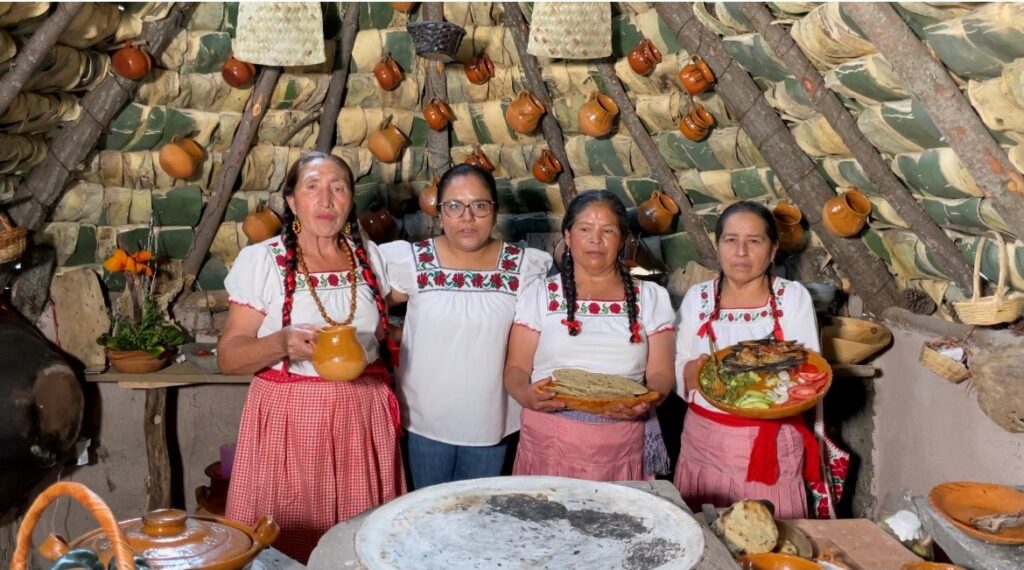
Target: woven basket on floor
[(435, 40), (997, 308), (280, 33), (12, 240), (571, 30), (947, 368)]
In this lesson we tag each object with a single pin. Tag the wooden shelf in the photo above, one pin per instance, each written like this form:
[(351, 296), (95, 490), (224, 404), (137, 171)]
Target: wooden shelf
[(178, 374)]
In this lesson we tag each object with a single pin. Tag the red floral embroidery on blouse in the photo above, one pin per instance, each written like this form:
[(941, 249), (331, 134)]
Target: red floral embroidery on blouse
[(594, 308), (333, 280), (552, 286), (422, 280), (459, 279), (553, 306), (615, 308)]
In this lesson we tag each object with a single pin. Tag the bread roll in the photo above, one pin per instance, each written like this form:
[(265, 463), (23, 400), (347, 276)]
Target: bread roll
[(747, 527)]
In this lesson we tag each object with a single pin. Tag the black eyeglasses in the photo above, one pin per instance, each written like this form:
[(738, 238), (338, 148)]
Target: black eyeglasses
[(478, 208)]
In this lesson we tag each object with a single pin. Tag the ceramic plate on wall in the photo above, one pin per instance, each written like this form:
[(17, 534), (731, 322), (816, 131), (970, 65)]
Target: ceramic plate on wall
[(529, 522)]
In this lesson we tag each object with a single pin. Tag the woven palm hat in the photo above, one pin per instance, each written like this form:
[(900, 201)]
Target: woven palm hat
[(284, 34), (571, 30)]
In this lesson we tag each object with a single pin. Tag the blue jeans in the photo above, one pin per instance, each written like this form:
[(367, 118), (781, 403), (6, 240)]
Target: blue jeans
[(432, 462)]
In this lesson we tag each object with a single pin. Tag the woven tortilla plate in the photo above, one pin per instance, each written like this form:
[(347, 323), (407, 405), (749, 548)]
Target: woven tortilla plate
[(529, 522)]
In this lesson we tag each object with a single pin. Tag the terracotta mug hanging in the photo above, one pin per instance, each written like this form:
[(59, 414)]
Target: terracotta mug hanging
[(478, 158), (697, 123), (655, 214), (387, 142), (480, 69), (388, 74), (337, 354), (787, 223), (131, 62), (237, 73), (597, 115), (437, 114), (644, 57), (428, 199), (261, 224), (696, 76), (524, 113), (547, 167), (846, 214), (181, 159)]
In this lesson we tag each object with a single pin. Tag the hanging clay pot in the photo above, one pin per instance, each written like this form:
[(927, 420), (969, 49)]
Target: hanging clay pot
[(261, 224), (437, 114), (547, 167), (387, 142), (597, 115), (388, 74), (337, 354), (696, 124), (846, 214), (644, 57), (655, 214), (480, 69), (787, 223), (696, 76), (237, 73), (379, 224), (478, 158), (131, 62), (428, 199), (524, 113), (403, 7), (181, 159)]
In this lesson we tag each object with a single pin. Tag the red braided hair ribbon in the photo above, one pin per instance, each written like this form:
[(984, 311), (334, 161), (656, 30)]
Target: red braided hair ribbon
[(574, 326)]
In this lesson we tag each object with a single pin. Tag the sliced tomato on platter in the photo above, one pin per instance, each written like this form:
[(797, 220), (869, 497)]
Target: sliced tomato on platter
[(811, 373), (802, 392), (818, 386)]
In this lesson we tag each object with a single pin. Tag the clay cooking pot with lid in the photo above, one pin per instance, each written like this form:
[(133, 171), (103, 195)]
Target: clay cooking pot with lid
[(166, 538)]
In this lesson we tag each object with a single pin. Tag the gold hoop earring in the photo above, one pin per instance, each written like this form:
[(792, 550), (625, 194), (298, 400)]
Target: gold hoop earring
[(297, 227), (348, 228)]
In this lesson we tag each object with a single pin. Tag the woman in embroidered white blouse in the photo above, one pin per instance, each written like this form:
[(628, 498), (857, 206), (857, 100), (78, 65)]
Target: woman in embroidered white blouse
[(462, 289), (593, 316)]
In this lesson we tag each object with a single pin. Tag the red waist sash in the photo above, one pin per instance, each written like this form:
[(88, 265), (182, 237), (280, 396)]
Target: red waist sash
[(764, 457)]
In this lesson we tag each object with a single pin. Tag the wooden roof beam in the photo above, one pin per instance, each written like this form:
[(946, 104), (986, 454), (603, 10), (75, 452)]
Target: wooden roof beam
[(439, 155), (516, 24), (339, 78), (661, 170), (32, 54), (45, 184), (868, 276), (927, 79), (875, 168)]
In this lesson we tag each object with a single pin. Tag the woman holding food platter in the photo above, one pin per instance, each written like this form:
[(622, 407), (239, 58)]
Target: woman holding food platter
[(462, 289), (725, 457), (572, 332)]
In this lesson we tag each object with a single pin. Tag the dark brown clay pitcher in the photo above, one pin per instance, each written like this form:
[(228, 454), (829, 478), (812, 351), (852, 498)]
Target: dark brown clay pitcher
[(655, 214), (524, 113), (597, 115), (237, 73), (379, 224), (428, 199), (547, 167), (478, 158), (644, 57), (787, 222), (696, 76), (131, 62), (437, 114), (388, 74), (480, 69)]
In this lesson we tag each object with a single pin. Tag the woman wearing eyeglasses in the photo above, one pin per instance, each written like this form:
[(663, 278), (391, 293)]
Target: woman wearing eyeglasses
[(462, 289)]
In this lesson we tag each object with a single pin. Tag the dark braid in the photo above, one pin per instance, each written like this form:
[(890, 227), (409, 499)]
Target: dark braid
[(291, 267), (371, 279), (569, 292), (717, 307), (632, 309)]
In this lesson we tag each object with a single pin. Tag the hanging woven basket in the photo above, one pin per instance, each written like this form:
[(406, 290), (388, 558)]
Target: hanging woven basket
[(280, 33), (571, 30), (12, 240), (436, 41), (999, 308)]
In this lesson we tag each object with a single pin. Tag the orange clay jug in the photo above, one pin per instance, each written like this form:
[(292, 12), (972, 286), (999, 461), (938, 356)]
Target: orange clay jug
[(337, 354)]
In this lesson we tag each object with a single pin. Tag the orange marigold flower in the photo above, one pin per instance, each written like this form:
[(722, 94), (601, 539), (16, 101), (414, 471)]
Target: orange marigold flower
[(143, 256), (116, 262)]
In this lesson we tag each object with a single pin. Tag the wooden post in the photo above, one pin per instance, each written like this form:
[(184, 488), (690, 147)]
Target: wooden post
[(868, 276), (43, 186), (213, 213), (925, 77), (515, 23), (438, 146), (31, 55), (158, 484), (660, 169), (875, 168), (339, 78)]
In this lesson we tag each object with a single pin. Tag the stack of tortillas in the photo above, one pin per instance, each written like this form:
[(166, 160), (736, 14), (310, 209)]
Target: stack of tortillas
[(596, 393)]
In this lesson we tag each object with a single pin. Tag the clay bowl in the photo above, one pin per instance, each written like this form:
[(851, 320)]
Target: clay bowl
[(778, 412), (959, 502), (852, 341), (931, 566), (772, 561)]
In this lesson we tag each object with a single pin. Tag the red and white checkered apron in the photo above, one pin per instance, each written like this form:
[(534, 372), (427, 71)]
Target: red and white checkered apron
[(313, 453)]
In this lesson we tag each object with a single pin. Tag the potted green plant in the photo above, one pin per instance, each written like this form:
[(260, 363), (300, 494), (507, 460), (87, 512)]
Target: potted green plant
[(142, 340)]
